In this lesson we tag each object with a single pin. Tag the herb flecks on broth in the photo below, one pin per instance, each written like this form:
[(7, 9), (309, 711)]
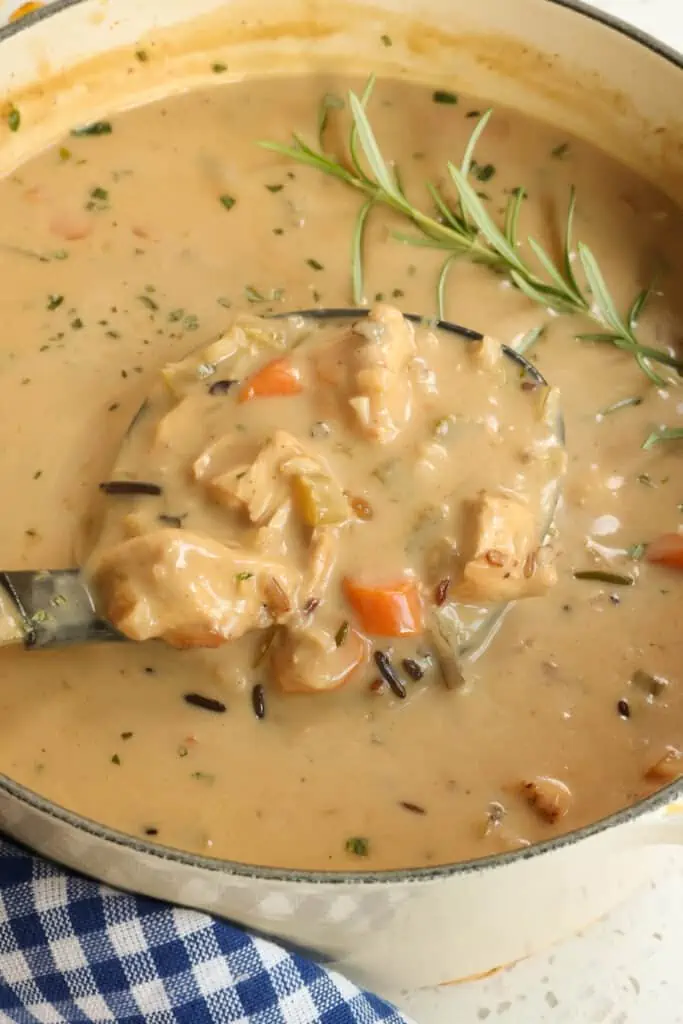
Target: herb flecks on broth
[(322, 768), (468, 230)]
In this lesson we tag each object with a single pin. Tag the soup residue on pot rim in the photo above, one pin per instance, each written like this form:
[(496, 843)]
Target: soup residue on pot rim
[(154, 235)]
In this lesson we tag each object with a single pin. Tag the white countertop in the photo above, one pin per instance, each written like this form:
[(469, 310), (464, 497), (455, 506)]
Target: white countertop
[(626, 969)]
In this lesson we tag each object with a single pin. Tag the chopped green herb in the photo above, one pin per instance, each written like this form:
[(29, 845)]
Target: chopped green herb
[(54, 301), (483, 172), (386, 40), (253, 294), (218, 68), (636, 551), (175, 315), (142, 56), (183, 751), (96, 128), (116, 759), (13, 119), (397, 293), (473, 113), (278, 231), (60, 254), (227, 201), (560, 151), (315, 264), (191, 322), (665, 434), (616, 579), (241, 576), (222, 301), (275, 188), (444, 426), (148, 302), (204, 776), (76, 324), (359, 846), (646, 480), (341, 634), (99, 193), (442, 96), (126, 735)]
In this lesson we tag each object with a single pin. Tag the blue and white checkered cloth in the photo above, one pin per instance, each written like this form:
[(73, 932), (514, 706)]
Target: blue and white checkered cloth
[(73, 951)]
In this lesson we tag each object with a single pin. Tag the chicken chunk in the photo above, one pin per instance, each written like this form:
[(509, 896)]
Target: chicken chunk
[(487, 353), (312, 660), (283, 470), (190, 590), (503, 560), (383, 389)]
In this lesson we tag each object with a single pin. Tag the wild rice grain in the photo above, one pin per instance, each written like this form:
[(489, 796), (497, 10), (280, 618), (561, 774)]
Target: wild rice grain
[(414, 808), (198, 700), (130, 487), (388, 673), (258, 700), (413, 669)]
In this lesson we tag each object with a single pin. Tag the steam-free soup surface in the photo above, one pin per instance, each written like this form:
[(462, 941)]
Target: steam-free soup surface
[(158, 234)]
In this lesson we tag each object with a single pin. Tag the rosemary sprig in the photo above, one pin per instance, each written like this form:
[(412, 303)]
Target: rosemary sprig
[(665, 434), (529, 339), (468, 230)]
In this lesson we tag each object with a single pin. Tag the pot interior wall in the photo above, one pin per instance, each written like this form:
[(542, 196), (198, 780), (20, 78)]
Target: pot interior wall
[(534, 54)]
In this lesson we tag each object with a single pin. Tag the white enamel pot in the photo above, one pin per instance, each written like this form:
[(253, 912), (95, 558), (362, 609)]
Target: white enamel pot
[(552, 58)]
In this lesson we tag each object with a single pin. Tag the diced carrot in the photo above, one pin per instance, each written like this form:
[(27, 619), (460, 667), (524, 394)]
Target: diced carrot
[(391, 610), (24, 9), (277, 378), (666, 550)]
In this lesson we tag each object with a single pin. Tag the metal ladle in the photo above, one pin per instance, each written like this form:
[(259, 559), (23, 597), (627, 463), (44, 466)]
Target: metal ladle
[(55, 608)]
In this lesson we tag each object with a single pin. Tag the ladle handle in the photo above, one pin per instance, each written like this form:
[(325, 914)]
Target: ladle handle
[(49, 609)]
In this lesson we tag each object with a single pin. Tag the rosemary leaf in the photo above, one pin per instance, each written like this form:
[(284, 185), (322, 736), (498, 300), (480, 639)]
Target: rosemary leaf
[(665, 434), (371, 150), (466, 164), (550, 268), (512, 212), (441, 287), (623, 403), (637, 307), (601, 296), (528, 340), (357, 272), (330, 101)]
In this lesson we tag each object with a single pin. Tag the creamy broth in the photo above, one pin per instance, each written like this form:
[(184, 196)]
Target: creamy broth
[(143, 259)]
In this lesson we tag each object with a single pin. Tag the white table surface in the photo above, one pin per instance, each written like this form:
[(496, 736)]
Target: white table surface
[(627, 968)]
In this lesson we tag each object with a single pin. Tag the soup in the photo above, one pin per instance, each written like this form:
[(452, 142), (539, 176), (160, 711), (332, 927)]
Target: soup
[(127, 246)]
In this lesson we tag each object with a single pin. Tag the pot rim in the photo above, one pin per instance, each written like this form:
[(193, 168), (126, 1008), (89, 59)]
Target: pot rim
[(624, 816)]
